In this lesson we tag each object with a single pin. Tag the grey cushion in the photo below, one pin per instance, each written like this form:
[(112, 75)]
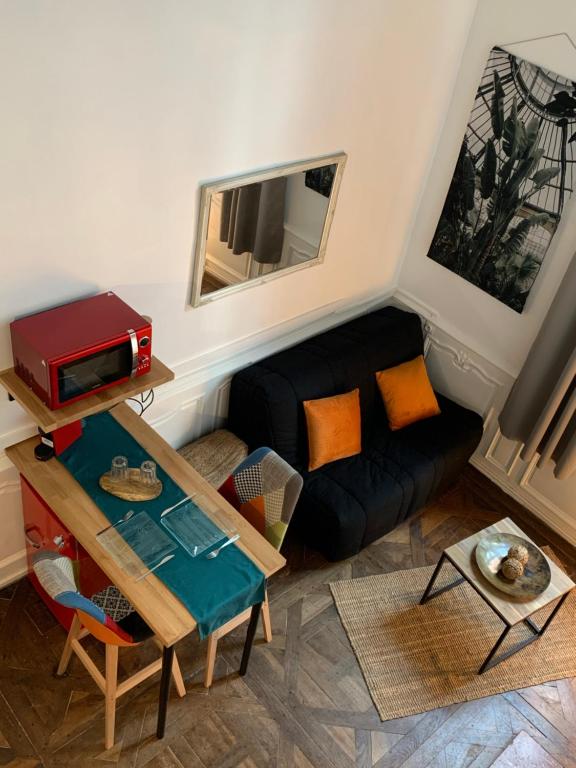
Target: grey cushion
[(215, 455)]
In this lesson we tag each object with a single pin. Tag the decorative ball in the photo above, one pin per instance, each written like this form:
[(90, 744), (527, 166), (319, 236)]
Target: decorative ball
[(518, 552), (512, 568)]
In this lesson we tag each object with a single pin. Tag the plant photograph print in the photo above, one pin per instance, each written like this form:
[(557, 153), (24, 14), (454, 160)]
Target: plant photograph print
[(512, 179)]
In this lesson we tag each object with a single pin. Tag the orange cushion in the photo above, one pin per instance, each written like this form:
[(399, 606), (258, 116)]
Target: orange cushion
[(407, 393), (333, 428)]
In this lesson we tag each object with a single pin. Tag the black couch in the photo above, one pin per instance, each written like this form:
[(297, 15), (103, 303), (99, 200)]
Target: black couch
[(349, 503)]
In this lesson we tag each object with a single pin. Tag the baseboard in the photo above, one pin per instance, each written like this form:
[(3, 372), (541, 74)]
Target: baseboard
[(13, 567), (196, 401), (222, 272), (546, 512)]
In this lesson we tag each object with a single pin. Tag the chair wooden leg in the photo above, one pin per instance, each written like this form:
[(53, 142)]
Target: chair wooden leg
[(210, 660), (177, 675), (67, 652), (110, 708), (266, 623)]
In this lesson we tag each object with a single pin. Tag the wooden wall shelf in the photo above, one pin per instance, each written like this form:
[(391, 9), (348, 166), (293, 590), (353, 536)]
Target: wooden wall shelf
[(49, 420)]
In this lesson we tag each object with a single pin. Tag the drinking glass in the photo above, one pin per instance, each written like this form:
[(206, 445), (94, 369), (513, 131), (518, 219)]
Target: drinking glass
[(119, 469), (148, 473)]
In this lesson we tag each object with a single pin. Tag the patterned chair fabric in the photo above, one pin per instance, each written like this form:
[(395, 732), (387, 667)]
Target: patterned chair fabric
[(107, 607), (264, 489)]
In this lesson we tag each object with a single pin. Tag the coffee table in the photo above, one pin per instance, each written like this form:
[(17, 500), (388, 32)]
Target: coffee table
[(510, 610)]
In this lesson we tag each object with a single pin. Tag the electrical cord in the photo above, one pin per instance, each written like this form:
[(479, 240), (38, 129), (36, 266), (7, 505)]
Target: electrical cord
[(138, 403), (143, 402)]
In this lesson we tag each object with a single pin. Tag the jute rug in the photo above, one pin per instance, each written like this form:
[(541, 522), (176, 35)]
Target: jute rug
[(419, 657)]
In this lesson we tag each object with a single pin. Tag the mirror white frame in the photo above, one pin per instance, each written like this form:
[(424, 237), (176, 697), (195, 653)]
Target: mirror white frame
[(208, 190)]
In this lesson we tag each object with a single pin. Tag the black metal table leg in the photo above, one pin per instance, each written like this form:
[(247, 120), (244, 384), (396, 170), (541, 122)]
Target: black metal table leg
[(167, 659), (254, 616), (433, 579), (427, 596), (490, 656), (540, 630), (537, 634)]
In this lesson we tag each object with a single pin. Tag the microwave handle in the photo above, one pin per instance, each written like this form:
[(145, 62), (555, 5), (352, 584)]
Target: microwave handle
[(134, 345)]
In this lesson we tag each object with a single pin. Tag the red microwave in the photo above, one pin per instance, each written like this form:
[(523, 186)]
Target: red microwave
[(72, 351)]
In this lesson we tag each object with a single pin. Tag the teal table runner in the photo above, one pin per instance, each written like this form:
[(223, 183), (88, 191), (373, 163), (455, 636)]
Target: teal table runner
[(215, 590)]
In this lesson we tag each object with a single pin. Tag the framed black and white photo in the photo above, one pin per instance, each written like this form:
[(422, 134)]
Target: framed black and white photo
[(512, 179)]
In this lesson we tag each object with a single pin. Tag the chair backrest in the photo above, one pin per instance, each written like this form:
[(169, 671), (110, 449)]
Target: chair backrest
[(56, 576), (264, 489)]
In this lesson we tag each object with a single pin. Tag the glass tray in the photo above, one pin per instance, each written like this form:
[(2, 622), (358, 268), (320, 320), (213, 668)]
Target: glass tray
[(136, 544), (198, 524)]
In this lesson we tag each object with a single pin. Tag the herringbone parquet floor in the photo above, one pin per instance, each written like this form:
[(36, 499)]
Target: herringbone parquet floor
[(304, 702)]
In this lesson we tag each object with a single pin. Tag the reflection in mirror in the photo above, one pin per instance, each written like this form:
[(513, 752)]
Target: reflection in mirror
[(263, 224)]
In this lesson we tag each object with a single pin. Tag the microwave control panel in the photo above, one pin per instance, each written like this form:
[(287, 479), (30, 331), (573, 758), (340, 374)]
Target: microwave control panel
[(144, 361)]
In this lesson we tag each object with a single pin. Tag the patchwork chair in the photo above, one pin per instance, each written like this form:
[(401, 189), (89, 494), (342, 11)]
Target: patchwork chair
[(264, 489), (110, 618)]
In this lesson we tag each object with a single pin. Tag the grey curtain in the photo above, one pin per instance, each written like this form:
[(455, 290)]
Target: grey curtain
[(253, 220), (541, 408)]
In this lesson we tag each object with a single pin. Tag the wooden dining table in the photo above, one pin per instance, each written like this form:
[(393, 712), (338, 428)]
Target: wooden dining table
[(168, 618)]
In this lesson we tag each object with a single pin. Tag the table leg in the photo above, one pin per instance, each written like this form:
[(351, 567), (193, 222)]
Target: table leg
[(167, 659), (537, 634), (540, 630), (433, 579), (490, 656), (427, 596), (254, 616)]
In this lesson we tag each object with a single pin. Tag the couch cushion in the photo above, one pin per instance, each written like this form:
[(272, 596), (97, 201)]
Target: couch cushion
[(407, 393), (334, 428), (347, 504), (344, 502), (266, 398), (444, 443), (362, 498)]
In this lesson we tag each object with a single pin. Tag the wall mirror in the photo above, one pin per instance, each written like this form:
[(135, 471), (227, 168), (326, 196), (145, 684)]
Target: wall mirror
[(262, 225)]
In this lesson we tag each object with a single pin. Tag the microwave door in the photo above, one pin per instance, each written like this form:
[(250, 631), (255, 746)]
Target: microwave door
[(91, 372)]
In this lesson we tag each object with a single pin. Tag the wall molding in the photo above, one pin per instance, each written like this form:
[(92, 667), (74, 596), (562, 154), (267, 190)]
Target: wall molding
[(535, 502), (196, 401), (513, 475), (490, 452), (423, 309), (13, 568), (225, 359), (443, 348), (462, 359), (10, 486), (218, 269), (229, 357), (443, 325)]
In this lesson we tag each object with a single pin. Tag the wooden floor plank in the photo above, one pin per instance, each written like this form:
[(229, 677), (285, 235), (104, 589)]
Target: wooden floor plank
[(303, 703), (525, 752)]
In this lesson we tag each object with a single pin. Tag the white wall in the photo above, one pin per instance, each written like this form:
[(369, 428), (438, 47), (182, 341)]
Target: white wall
[(114, 113), (483, 334), (485, 324)]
